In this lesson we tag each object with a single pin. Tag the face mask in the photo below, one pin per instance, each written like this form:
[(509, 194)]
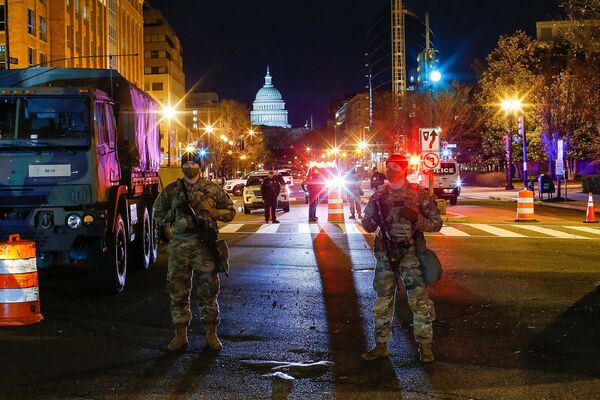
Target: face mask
[(395, 175), (191, 172)]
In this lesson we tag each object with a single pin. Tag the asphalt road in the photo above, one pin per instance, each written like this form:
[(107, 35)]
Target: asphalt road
[(517, 318)]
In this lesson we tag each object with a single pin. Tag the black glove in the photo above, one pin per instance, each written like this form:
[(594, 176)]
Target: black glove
[(408, 214)]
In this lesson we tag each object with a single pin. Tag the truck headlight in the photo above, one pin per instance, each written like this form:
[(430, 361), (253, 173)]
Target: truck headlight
[(74, 221)]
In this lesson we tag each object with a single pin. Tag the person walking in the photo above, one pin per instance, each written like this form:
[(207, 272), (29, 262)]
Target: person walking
[(190, 259), (314, 186), (354, 194), (270, 188), (377, 179), (402, 211)]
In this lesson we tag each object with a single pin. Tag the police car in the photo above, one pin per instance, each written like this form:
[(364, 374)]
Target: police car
[(446, 181), (252, 195)]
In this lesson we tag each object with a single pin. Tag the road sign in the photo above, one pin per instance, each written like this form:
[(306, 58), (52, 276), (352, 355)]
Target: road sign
[(13, 60), (560, 168), (431, 160), (430, 140), (559, 153)]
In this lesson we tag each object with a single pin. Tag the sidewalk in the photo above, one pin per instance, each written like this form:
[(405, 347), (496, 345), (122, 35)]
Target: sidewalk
[(495, 193)]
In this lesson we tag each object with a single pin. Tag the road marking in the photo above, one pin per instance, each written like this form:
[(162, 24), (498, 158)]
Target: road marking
[(230, 228), (496, 231), (449, 231), (585, 229), (266, 228), (550, 232), (349, 228)]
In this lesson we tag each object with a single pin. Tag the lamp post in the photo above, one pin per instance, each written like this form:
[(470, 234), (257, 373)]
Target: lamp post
[(168, 114), (511, 107)]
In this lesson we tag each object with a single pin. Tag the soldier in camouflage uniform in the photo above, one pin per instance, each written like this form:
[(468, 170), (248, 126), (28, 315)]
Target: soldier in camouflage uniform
[(354, 193), (188, 257), (403, 211)]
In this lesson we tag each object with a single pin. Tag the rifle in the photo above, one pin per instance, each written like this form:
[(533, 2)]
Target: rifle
[(392, 250), (208, 235)]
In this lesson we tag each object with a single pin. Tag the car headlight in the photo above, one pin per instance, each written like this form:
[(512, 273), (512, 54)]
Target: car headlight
[(458, 183), (74, 221)]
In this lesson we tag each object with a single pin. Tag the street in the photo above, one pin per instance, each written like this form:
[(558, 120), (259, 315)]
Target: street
[(517, 317)]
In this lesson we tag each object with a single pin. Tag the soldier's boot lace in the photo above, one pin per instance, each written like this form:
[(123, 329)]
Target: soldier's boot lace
[(180, 342), (425, 353), (379, 351), (212, 340)]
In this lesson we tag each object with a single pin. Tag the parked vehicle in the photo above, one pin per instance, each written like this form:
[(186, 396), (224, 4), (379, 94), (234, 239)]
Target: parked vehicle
[(446, 181), (253, 199), (80, 153), (287, 177), (236, 186), (328, 177)]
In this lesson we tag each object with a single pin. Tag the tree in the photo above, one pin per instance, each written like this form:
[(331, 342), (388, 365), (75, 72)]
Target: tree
[(511, 69)]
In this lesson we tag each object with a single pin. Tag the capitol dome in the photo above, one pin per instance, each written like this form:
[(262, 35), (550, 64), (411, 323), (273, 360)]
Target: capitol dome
[(268, 108)]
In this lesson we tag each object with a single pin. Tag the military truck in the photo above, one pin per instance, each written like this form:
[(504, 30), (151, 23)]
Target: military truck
[(79, 161)]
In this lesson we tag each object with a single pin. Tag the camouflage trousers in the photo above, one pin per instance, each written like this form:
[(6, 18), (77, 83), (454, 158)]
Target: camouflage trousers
[(354, 201), (386, 281), (190, 260)]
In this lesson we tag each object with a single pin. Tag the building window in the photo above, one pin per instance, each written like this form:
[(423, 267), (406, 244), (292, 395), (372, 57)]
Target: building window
[(2, 16), (78, 41), (85, 12), (546, 34), (157, 86), (43, 59), (69, 36), (146, 86), (43, 35), (31, 22), (76, 6), (30, 56), (2, 57), (155, 70), (68, 5)]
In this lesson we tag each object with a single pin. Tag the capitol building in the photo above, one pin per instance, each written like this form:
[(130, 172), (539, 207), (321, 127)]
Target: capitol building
[(268, 108)]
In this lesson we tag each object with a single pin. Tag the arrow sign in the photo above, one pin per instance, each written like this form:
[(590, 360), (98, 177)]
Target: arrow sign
[(431, 160), (430, 140)]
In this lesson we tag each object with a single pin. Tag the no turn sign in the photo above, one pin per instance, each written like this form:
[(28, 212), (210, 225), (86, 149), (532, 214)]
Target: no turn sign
[(431, 160)]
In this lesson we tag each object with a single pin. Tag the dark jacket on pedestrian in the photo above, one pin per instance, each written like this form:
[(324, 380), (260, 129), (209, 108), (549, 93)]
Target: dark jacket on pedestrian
[(377, 180), (270, 187)]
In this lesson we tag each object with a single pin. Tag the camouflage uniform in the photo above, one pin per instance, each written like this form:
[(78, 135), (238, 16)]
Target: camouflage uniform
[(404, 264), (187, 256), (354, 193)]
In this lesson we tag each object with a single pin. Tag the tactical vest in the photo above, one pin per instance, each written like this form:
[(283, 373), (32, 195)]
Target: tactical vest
[(399, 229)]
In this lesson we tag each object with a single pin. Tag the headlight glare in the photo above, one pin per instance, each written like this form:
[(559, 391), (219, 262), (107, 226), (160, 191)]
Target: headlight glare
[(74, 221)]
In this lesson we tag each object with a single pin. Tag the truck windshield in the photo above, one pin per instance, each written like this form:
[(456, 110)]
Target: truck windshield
[(44, 121)]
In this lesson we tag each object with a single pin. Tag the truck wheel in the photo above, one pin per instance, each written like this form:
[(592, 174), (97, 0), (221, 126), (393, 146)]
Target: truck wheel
[(453, 201), (238, 190), (155, 239), (246, 210), (143, 244), (109, 269), (286, 207)]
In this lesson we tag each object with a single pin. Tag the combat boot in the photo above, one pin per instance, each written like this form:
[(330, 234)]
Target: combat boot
[(425, 353), (180, 342), (379, 351), (212, 340)]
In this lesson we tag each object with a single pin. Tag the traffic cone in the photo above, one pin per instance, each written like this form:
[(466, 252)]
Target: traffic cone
[(525, 211), (19, 292), (590, 214), (335, 206)]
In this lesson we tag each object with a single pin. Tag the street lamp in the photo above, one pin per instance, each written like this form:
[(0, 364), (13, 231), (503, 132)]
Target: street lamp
[(512, 107), (169, 113)]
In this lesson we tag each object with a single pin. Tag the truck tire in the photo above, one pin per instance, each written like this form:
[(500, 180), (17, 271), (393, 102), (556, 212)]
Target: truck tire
[(453, 200), (142, 249), (109, 268), (155, 239), (238, 190)]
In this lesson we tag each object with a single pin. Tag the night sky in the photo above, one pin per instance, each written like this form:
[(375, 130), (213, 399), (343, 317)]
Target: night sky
[(316, 47)]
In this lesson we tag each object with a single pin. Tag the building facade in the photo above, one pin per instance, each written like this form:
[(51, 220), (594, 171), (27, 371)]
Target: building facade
[(268, 108), (353, 115), (74, 34)]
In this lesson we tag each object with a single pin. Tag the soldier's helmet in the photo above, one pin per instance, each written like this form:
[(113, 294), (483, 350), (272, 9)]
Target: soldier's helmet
[(398, 159)]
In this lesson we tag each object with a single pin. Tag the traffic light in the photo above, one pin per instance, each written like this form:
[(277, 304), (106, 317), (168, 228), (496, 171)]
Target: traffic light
[(521, 124)]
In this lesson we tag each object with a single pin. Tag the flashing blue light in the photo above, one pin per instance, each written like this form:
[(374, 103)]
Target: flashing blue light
[(436, 76), (202, 152), (446, 153)]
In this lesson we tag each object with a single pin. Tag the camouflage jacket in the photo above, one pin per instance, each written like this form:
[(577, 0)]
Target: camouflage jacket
[(209, 201), (400, 229)]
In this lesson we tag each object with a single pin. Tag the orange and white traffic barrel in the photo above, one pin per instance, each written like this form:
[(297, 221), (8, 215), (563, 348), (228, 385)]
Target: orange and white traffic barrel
[(335, 206), (590, 214), (19, 290), (525, 206)]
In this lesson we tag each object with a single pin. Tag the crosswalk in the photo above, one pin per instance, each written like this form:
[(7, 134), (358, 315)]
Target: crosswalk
[(459, 230)]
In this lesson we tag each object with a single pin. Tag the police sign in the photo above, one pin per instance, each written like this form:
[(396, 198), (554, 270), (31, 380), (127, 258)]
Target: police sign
[(445, 169)]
